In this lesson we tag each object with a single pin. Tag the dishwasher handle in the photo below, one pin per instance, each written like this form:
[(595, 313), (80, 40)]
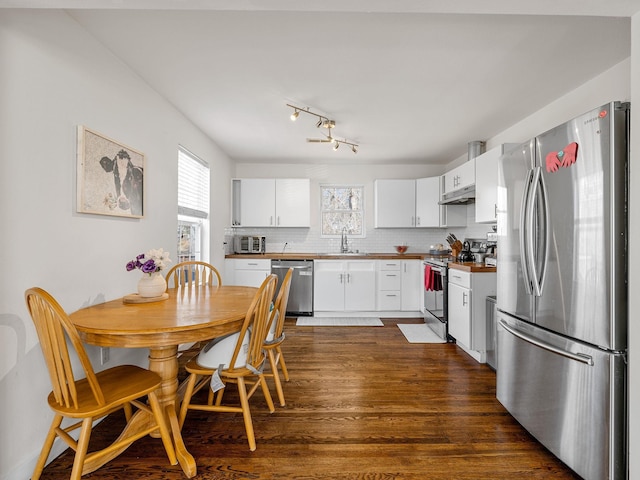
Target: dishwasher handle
[(284, 267)]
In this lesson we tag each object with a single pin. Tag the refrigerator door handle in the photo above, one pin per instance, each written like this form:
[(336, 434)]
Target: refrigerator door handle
[(578, 357), (526, 227), (535, 249)]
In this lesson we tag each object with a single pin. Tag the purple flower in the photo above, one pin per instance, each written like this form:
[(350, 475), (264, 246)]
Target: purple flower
[(149, 266), (131, 266)]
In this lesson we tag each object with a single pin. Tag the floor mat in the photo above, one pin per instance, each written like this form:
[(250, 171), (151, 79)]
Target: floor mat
[(339, 322), (419, 333)]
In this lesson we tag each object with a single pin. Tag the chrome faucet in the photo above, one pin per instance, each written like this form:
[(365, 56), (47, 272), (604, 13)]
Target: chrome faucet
[(344, 244)]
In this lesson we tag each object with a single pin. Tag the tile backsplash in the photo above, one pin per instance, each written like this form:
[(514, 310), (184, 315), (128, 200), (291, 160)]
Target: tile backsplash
[(377, 240)]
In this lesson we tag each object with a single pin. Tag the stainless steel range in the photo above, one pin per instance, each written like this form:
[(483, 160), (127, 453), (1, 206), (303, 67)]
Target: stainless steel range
[(435, 294)]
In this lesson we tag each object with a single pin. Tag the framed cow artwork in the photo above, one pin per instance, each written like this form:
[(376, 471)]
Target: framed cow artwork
[(110, 176)]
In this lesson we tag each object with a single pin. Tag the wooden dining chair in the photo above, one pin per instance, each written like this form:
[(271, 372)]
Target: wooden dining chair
[(237, 358), (275, 336), (192, 273), (92, 397), (189, 274)]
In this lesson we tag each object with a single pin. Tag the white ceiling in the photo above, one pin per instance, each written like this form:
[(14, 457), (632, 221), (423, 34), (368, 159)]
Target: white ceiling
[(410, 81)]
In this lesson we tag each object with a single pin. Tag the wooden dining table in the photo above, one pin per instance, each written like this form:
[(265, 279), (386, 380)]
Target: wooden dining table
[(188, 315)]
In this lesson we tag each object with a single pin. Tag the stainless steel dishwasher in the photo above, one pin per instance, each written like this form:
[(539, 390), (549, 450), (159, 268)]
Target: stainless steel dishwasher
[(301, 292)]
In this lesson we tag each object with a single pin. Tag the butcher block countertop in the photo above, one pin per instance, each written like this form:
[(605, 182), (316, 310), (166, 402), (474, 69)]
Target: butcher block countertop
[(331, 256), (471, 267), (464, 266)]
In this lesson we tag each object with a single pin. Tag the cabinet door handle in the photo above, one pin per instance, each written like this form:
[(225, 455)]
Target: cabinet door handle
[(464, 299), (495, 210), (342, 278)]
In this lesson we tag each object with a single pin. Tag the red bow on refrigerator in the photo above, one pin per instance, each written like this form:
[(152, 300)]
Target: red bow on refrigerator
[(564, 158)]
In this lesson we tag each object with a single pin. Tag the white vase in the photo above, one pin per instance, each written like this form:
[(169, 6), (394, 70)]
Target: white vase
[(151, 285)]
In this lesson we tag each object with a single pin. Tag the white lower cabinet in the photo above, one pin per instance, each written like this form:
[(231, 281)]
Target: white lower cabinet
[(348, 285), (460, 314), (412, 285), (400, 285), (389, 285), (247, 272), (467, 310)]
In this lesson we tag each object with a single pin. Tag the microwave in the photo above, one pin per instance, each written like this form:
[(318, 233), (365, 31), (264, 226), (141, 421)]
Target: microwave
[(248, 244)]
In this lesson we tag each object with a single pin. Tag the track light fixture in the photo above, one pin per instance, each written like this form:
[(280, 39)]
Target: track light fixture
[(322, 122)]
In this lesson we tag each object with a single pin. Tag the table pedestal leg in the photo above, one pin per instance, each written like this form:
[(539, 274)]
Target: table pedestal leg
[(164, 361)]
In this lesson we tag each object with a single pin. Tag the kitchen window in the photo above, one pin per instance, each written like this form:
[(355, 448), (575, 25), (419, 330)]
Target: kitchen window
[(193, 207), (342, 206)]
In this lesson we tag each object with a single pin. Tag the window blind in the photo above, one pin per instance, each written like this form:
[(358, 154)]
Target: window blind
[(193, 185)]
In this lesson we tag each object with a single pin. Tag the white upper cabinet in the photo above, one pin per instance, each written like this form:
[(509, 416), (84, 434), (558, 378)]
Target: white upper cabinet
[(395, 203), (427, 198), (401, 203), (268, 202), (487, 183), (293, 202), (460, 177)]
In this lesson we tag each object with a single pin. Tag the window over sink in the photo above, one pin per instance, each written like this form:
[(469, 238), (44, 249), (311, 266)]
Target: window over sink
[(342, 207)]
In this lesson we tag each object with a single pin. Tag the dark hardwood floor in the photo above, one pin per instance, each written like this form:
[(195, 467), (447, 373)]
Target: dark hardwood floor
[(362, 403)]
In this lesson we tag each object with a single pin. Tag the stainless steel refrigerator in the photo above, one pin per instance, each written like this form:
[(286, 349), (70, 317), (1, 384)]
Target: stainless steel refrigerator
[(562, 290)]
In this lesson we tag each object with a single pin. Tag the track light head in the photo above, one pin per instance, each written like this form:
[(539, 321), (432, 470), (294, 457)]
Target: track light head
[(336, 145), (294, 115), (354, 149)]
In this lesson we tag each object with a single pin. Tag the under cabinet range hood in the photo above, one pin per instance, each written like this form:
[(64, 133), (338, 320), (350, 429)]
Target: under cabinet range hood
[(459, 197), (464, 195)]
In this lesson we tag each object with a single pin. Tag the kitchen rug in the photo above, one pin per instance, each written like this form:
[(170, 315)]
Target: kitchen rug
[(419, 333), (339, 322)]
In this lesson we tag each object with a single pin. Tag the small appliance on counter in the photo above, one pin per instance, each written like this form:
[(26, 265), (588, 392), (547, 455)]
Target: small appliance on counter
[(491, 261), (475, 250), (249, 244), (491, 258), (465, 255)]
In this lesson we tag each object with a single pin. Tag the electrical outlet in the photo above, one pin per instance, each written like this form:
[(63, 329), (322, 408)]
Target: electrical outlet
[(104, 355)]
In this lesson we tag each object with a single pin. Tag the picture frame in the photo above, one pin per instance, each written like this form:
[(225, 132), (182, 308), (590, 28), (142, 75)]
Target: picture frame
[(110, 176)]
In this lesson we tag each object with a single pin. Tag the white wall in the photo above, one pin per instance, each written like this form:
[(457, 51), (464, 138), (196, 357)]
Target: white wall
[(53, 76)]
